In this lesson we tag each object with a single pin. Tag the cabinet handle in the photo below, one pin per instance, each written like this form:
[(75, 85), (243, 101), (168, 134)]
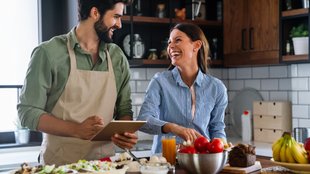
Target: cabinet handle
[(243, 33), (251, 38)]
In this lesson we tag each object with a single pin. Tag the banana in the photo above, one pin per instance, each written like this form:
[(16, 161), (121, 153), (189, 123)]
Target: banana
[(298, 153), (288, 154), (283, 151), (277, 142), (276, 149)]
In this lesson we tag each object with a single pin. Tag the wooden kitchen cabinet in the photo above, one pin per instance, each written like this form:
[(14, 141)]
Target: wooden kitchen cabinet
[(154, 30), (251, 32)]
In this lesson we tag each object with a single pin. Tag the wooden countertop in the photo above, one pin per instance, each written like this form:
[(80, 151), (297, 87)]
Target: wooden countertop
[(267, 165)]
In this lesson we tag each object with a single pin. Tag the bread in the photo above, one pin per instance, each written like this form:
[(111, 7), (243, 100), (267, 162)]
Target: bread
[(242, 155)]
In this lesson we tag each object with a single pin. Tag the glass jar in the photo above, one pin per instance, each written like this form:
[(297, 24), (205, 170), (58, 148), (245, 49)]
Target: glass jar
[(160, 13), (138, 46), (152, 54)]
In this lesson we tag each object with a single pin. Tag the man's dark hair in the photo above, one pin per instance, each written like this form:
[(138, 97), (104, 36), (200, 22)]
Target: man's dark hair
[(102, 5)]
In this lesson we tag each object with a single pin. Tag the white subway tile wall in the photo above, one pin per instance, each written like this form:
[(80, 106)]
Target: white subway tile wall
[(277, 83), (244, 73)]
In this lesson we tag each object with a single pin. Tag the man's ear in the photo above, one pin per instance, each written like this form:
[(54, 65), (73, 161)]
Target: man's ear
[(94, 13)]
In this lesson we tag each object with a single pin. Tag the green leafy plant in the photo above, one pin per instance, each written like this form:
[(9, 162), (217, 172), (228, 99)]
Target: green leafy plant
[(299, 31)]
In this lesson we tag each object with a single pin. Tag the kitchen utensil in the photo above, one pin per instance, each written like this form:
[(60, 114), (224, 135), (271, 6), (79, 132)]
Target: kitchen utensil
[(133, 156), (155, 168), (210, 163), (300, 134), (196, 4), (241, 102), (241, 170)]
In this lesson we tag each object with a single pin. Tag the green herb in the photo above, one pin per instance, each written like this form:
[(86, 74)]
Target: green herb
[(299, 31)]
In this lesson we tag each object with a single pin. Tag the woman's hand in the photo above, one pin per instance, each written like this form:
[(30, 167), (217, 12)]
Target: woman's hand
[(89, 127), (125, 141), (183, 132)]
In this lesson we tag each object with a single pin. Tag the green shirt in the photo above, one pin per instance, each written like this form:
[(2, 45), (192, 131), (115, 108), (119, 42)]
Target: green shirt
[(48, 73)]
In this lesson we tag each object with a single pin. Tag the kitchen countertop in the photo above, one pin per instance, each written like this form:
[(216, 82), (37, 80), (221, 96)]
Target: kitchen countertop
[(13, 157)]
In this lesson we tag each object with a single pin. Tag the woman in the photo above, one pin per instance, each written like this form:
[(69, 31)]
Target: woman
[(185, 101)]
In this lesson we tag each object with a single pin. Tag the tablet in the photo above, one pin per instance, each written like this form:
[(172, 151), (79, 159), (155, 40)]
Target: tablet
[(117, 126)]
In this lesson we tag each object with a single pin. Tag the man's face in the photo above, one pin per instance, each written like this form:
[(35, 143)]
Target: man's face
[(109, 22)]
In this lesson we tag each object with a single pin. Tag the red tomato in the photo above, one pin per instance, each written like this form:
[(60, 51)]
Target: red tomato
[(188, 149), (216, 145), (201, 144)]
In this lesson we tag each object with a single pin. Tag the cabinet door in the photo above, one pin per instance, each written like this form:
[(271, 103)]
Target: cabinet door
[(235, 26), (263, 25), (251, 32)]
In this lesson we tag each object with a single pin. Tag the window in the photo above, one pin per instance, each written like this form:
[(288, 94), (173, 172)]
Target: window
[(19, 33)]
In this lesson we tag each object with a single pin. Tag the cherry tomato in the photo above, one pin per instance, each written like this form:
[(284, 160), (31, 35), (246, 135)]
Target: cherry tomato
[(188, 149), (201, 144), (216, 145)]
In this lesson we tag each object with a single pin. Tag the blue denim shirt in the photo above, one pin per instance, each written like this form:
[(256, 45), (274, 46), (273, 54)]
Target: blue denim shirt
[(168, 99)]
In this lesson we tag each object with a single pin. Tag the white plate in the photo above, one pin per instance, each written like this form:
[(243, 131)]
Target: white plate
[(296, 168), (243, 101)]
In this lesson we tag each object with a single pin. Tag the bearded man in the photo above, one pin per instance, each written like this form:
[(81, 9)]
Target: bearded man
[(76, 84)]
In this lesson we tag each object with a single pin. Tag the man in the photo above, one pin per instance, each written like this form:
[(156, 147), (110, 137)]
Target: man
[(76, 84)]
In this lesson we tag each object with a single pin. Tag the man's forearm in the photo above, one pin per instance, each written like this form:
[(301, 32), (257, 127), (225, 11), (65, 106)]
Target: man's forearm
[(55, 126)]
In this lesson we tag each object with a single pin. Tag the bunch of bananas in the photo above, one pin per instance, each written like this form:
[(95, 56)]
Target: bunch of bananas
[(286, 149)]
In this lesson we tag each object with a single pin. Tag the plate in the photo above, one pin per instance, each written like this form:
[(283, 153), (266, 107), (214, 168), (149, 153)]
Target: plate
[(296, 168), (243, 101)]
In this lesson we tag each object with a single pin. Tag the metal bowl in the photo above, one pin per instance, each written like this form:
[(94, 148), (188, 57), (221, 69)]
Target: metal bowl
[(211, 163)]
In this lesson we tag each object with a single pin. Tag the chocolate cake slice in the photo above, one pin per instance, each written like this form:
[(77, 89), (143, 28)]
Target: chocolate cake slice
[(242, 155)]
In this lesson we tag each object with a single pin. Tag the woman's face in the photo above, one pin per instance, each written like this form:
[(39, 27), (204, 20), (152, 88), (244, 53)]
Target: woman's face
[(182, 51)]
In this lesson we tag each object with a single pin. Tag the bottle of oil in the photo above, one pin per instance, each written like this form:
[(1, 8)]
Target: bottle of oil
[(288, 48)]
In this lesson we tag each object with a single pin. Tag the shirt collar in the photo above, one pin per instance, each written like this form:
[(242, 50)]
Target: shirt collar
[(74, 42), (177, 76), (72, 38)]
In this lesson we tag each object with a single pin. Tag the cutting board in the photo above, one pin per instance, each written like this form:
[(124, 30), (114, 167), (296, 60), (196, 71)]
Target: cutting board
[(255, 167)]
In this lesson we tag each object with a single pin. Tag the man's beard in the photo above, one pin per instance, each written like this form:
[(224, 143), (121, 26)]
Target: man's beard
[(103, 31)]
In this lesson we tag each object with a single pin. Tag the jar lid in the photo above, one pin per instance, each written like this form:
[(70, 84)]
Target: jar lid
[(152, 49)]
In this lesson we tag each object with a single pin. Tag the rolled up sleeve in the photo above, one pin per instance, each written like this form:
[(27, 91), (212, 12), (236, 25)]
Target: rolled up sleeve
[(34, 93)]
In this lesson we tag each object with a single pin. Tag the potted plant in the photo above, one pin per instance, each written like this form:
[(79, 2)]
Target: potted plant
[(22, 134), (300, 37)]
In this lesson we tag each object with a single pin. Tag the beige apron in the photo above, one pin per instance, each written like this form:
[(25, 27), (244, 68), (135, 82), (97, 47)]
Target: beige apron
[(86, 93)]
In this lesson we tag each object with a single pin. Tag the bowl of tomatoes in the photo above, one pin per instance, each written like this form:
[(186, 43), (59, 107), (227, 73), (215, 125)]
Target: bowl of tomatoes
[(203, 156)]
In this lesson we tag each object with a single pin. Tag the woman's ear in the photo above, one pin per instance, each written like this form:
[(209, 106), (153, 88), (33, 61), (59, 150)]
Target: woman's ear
[(197, 45)]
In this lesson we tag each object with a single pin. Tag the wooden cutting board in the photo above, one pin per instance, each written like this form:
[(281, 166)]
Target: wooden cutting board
[(255, 167)]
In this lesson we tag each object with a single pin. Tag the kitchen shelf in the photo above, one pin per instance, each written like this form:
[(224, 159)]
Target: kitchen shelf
[(145, 63), (290, 19), (163, 63), (154, 31), (295, 57), (156, 20), (296, 12)]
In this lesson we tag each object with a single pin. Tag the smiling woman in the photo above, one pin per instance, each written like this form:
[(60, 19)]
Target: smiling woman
[(19, 35)]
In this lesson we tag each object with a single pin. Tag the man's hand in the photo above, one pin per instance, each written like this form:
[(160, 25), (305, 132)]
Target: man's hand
[(125, 141), (89, 127)]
